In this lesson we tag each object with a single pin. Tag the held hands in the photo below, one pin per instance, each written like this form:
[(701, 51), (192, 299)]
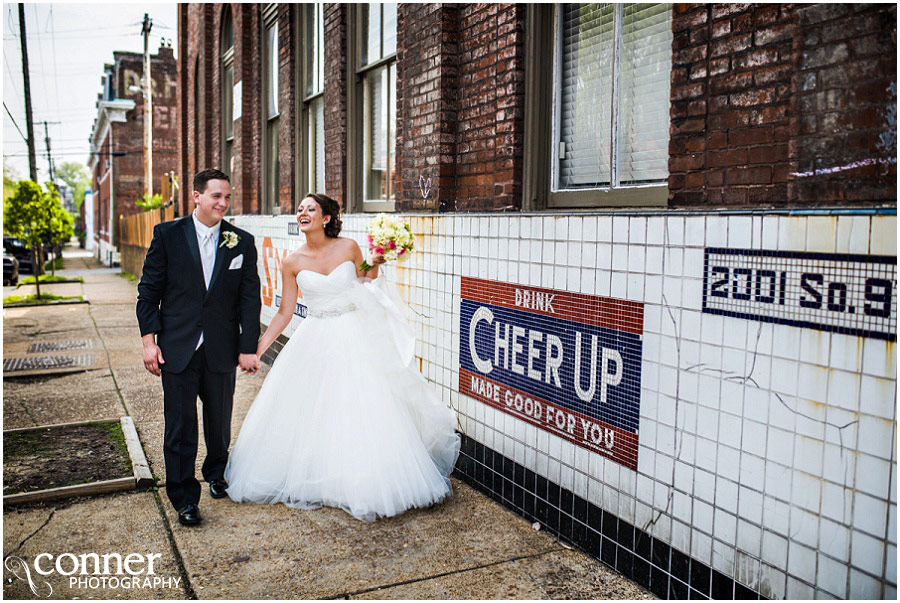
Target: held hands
[(249, 363)]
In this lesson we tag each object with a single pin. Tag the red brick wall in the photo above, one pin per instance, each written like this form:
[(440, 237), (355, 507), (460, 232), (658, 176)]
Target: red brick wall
[(427, 106), (491, 106), (128, 137), (200, 27), (730, 99), (181, 95), (335, 101), (771, 104), (762, 93), (287, 91), (247, 131), (846, 65)]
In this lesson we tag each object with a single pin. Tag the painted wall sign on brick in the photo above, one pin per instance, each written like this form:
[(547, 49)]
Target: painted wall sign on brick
[(568, 363), (841, 293)]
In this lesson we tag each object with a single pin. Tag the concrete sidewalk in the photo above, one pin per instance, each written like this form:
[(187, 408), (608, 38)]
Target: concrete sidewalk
[(467, 547)]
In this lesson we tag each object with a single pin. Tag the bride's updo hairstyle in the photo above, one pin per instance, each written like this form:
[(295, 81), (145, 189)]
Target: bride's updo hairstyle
[(330, 207)]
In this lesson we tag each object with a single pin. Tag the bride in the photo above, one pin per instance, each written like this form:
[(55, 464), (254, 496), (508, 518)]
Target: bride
[(343, 418)]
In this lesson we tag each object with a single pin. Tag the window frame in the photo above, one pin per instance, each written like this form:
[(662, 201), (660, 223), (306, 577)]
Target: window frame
[(269, 19), (356, 75), (226, 62), (303, 168), (542, 82)]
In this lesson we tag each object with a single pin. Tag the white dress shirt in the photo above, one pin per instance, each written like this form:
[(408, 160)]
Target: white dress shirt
[(207, 239)]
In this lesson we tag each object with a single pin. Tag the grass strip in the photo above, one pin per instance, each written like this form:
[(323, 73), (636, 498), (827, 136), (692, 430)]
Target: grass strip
[(49, 278), (34, 300)]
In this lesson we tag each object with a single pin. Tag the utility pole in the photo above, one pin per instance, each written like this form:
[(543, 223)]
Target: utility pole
[(148, 110), (47, 141), (32, 161)]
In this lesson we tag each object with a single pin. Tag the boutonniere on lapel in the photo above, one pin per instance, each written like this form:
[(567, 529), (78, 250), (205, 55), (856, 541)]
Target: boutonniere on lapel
[(229, 239)]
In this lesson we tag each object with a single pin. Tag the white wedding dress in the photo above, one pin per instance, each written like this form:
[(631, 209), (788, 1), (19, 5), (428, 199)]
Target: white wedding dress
[(343, 418)]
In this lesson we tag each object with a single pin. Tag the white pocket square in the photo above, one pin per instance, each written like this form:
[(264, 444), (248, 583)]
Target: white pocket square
[(237, 262)]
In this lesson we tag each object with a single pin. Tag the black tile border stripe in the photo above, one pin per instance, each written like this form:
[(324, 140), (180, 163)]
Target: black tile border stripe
[(805, 255), (650, 562)]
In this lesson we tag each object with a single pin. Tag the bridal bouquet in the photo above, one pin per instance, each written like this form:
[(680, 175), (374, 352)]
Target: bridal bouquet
[(389, 237)]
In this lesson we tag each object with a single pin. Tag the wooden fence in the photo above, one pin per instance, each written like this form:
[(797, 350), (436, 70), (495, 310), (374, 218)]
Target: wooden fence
[(135, 234)]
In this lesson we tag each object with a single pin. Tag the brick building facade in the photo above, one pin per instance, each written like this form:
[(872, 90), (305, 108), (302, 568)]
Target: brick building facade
[(713, 183), (117, 158), (764, 110)]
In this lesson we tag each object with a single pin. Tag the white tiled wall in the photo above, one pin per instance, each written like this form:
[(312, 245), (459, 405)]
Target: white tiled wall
[(766, 451)]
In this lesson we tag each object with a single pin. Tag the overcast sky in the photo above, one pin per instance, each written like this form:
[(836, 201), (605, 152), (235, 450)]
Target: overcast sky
[(67, 47)]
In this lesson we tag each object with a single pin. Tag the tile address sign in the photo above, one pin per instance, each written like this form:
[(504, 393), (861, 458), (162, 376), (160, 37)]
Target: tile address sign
[(841, 293)]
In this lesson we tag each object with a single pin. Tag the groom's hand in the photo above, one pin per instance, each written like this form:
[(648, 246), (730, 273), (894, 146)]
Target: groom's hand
[(249, 363), (152, 355)]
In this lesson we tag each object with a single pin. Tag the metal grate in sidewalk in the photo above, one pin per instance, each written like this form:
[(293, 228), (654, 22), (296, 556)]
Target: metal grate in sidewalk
[(52, 346), (36, 363)]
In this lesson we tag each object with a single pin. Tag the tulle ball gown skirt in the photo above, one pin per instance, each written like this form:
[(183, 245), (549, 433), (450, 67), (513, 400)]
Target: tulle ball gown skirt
[(341, 421)]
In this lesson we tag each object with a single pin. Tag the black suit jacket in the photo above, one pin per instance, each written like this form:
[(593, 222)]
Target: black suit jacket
[(173, 301)]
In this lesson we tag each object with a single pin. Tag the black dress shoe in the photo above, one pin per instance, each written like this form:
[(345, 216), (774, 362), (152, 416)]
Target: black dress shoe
[(217, 488), (189, 515)]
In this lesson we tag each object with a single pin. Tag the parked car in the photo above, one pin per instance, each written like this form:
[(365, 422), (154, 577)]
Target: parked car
[(19, 250), (10, 269)]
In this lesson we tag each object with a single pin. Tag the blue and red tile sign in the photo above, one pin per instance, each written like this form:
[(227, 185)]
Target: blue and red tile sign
[(565, 362)]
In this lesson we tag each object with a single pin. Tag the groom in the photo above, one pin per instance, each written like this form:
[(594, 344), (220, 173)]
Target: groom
[(198, 310)]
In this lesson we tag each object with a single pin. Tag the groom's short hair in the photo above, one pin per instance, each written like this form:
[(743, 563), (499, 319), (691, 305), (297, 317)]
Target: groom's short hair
[(205, 176)]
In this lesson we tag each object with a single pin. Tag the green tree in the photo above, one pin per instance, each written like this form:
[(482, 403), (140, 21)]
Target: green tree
[(61, 226), (77, 177), (10, 178), (28, 215)]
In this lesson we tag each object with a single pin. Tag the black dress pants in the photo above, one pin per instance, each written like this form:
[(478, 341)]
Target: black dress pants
[(180, 391)]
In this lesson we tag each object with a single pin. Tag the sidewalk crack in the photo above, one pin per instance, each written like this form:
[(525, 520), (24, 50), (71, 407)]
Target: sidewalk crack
[(27, 538), (441, 575), (112, 373), (28, 412), (179, 561)]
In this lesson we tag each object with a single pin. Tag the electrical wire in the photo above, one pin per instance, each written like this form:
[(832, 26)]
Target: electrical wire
[(14, 123), (13, 80), (53, 48)]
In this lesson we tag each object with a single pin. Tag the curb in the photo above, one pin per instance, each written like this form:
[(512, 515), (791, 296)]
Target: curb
[(58, 302), (49, 373), (67, 281), (142, 476)]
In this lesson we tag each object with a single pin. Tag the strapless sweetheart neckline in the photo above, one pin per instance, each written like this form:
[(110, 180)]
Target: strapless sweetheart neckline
[(329, 273)]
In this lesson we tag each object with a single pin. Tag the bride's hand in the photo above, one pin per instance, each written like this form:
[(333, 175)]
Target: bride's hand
[(378, 259)]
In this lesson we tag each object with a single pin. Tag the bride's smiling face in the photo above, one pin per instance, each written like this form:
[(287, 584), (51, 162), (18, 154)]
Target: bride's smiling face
[(310, 216)]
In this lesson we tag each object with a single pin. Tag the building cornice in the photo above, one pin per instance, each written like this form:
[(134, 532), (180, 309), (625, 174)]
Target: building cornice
[(109, 112)]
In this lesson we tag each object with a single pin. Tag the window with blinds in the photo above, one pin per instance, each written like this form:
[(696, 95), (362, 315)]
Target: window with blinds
[(227, 92), (378, 71), (271, 171), (313, 65), (611, 98)]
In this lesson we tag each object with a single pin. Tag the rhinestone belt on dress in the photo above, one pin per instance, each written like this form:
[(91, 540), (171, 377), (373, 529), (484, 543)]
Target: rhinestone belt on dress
[(330, 312)]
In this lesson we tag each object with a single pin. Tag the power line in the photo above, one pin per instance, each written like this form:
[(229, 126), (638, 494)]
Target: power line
[(79, 36), (14, 123), (40, 46), (133, 152), (12, 79), (53, 48)]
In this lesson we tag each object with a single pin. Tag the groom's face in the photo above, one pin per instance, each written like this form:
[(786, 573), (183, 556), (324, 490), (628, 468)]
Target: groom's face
[(213, 202)]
